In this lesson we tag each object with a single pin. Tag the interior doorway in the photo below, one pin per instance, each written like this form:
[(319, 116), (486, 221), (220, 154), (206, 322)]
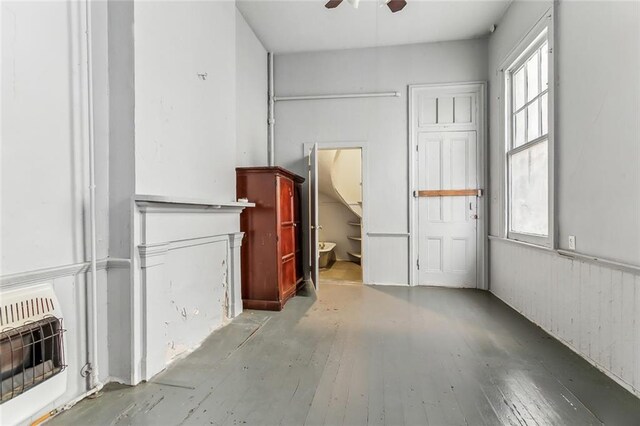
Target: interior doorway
[(340, 210), (337, 244)]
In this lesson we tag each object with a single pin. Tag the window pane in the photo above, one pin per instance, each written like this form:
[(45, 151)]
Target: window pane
[(529, 191), (544, 110), (533, 121), (533, 87), (544, 66), (518, 89), (518, 137)]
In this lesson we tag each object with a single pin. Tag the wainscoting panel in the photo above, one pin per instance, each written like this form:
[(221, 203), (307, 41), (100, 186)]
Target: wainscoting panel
[(591, 307), (386, 258)]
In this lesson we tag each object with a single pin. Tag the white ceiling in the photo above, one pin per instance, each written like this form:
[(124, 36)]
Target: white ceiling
[(306, 25)]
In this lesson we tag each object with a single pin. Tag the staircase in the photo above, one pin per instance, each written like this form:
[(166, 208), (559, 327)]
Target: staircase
[(343, 170)]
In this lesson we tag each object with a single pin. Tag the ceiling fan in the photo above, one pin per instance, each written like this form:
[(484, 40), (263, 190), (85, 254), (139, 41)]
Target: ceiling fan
[(393, 5)]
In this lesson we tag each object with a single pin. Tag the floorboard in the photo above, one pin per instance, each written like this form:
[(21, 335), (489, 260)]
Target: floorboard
[(370, 355)]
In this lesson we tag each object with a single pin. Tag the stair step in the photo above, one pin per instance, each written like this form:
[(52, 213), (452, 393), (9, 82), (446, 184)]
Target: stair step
[(355, 223), (355, 238), (356, 255)]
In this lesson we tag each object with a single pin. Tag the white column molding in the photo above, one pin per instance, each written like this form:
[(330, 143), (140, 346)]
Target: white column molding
[(234, 275)]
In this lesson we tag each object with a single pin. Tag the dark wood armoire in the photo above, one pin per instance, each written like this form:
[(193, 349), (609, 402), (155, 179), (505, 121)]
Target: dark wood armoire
[(272, 246)]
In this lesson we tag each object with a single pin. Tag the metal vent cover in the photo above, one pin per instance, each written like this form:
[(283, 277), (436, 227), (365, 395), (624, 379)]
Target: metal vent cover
[(24, 305)]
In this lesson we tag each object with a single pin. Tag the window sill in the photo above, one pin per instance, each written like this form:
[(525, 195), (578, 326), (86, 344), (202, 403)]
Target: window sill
[(522, 243)]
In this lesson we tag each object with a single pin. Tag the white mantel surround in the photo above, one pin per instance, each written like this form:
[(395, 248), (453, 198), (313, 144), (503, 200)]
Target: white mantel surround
[(186, 276)]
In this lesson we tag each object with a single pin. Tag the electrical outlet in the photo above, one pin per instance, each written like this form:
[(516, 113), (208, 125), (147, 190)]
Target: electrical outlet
[(572, 242)]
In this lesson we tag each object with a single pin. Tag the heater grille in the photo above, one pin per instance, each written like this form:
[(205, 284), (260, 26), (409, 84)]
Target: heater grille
[(29, 355), (25, 309)]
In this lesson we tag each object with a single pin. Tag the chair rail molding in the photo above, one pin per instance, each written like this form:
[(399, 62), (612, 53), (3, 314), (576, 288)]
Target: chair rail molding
[(31, 277)]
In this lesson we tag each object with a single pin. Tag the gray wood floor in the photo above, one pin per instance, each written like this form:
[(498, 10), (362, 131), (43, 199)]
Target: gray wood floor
[(373, 355)]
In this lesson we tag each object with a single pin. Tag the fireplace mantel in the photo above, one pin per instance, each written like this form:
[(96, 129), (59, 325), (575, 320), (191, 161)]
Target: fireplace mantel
[(185, 276), (193, 204)]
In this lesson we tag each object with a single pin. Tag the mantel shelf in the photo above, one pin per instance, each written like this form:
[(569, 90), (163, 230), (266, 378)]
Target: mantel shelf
[(166, 201)]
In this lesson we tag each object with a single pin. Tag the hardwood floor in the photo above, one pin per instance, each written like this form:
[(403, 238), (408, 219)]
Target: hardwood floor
[(373, 355)]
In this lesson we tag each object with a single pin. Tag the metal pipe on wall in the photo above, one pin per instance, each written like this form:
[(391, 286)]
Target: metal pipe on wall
[(271, 119), (92, 306), (338, 96)]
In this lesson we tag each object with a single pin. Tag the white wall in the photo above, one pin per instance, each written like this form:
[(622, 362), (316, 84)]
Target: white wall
[(593, 308), (179, 141), (251, 97), (44, 223), (347, 175), (185, 125), (44, 140), (598, 141), (185, 147), (121, 181), (380, 122), (598, 104)]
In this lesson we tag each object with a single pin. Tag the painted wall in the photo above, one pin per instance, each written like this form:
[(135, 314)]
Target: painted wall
[(44, 223), (44, 141), (599, 131), (347, 175), (185, 146), (121, 182), (183, 130), (185, 101), (346, 178), (593, 308), (251, 97), (598, 178), (380, 122)]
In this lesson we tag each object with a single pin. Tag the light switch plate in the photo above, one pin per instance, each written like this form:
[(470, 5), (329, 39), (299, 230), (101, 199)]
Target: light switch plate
[(572, 242)]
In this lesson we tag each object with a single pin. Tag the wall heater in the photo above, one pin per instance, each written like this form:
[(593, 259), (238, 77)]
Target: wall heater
[(31, 351)]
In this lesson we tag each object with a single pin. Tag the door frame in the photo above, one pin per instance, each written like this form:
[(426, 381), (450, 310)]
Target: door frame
[(364, 244), (479, 88)]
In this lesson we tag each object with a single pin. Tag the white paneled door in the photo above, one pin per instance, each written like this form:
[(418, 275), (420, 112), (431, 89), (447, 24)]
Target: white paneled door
[(447, 224)]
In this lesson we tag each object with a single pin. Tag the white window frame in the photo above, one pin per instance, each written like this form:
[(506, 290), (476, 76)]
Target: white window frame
[(542, 32)]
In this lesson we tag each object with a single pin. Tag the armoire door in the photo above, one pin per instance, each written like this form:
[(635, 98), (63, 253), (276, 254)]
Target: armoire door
[(287, 237)]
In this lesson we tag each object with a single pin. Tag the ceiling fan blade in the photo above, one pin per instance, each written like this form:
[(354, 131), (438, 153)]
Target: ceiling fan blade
[(396, 5), (333, 4)]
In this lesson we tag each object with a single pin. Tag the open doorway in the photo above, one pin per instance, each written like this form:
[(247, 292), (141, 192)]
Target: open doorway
[(340, 215)]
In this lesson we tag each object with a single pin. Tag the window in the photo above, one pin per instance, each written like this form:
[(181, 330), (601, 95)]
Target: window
[(528, 146)]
